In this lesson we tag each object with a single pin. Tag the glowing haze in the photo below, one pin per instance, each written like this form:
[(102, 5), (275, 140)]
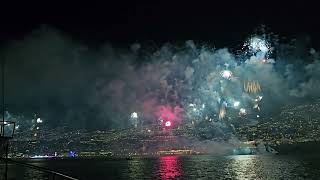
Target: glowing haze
[(70, 83)]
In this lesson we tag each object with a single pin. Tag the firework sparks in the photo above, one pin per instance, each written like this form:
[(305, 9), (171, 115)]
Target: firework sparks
[(222, 112), (252, 87), (168, 124), (236, 104), (39, 120), (168, 113), (256, 106), (134, 119), (258, 44), (242, 112), (227, 74), (134, 115)]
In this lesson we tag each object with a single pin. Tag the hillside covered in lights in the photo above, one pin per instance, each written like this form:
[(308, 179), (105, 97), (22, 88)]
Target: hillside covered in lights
[(294, 124)]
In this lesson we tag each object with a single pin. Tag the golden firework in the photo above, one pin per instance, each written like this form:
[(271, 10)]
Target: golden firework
[(252, 86), (222, 112)]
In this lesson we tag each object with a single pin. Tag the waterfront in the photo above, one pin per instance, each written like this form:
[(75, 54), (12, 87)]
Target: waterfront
[(180, 167)]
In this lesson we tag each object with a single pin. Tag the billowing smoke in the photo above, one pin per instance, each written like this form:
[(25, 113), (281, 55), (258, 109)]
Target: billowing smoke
[(69, 83)]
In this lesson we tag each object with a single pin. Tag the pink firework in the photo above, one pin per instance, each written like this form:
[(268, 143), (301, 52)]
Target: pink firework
[(168, 124), (169, 114)]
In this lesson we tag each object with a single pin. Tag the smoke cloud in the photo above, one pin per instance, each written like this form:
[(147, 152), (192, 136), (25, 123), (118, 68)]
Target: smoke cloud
[(68, 83)]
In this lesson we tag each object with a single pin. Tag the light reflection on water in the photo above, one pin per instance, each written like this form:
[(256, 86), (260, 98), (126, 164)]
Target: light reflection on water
[(184, 167), (270, 167), (170, 167), (242, 166), (136, 169)]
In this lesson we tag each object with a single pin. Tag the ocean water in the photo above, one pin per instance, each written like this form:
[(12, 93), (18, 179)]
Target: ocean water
[(271, 167)]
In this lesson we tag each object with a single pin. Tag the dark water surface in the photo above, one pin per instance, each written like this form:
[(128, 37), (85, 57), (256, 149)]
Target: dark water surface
[(180, 167)]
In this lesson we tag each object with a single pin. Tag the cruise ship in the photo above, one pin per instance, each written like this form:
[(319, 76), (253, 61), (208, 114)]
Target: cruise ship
[(178, 152)]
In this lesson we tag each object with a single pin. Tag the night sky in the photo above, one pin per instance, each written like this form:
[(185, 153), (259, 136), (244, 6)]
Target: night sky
[(222, 22)]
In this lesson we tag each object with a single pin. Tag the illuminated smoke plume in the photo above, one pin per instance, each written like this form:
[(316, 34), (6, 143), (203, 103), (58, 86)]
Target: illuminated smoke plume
[(69, 83), (169, 114)]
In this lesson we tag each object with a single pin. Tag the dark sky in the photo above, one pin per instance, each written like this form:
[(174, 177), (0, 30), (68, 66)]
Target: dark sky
[(223, 22)]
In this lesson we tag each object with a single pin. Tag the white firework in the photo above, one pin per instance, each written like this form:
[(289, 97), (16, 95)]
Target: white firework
[(236, 104), (242, 111), (134, 119), (134, 115), (258, 44), (39, 120), (227, 74)]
